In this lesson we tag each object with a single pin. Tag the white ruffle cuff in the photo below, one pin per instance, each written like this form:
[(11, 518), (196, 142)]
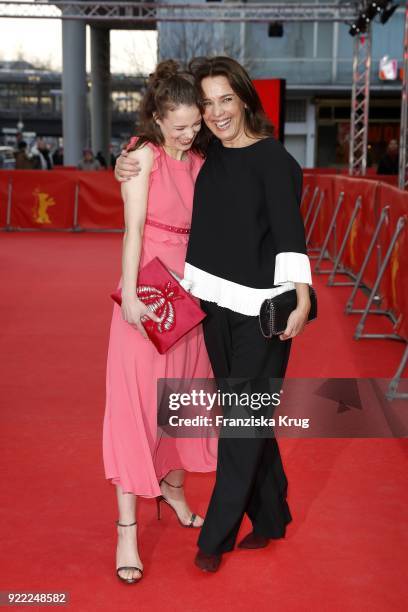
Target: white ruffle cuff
[(292, 267), (236, 297)]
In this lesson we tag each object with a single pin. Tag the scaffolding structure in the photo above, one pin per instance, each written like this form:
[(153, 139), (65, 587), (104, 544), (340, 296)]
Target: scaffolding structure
[(202, 12), (240, 12), (360, 99)]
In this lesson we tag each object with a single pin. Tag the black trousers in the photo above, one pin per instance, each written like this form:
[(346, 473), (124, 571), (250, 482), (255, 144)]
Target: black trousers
[(250, 477)]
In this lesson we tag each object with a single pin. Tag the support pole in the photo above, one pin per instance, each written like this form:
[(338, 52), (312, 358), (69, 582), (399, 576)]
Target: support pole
[(75, 226), (73, 90), (360, 98), (315, 216), (383, 217), (9, 203), (330, 230), (403, 157), (330, 282), (311, 205), (360, 327), (392, 392), (100, 92), (304, 195)]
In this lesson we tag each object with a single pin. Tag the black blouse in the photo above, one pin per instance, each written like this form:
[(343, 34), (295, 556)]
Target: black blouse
[(247, 239)]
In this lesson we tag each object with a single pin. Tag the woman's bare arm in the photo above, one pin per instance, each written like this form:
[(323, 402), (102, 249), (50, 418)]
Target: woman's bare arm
[(135, 193), (127, 166)]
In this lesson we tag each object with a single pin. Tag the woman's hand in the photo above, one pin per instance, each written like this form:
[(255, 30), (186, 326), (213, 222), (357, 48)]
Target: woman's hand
[(135, 312), (126, 167), (296, 322)]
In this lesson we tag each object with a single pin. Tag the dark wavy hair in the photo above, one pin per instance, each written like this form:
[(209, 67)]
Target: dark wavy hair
[(256, 122), (168, 87)]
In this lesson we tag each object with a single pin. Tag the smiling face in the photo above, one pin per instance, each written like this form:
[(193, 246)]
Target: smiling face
[(224, 111), (180, 126)]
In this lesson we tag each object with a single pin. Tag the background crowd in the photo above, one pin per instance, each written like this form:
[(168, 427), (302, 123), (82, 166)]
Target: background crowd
[(42, 156)]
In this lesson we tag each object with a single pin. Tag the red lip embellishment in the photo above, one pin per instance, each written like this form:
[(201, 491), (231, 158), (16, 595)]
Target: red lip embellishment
[(160, 301)]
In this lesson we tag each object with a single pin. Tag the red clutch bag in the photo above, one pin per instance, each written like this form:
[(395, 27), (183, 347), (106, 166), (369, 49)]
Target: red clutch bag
[(162, 293)]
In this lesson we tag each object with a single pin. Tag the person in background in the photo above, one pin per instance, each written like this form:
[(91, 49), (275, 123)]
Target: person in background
[(388, 164), (58, 157), (88, 162), (101, 159), (23, 161), (42, 156)]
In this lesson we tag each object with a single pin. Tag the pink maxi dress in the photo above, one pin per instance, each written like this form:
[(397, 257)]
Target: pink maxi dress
[(135, 456)]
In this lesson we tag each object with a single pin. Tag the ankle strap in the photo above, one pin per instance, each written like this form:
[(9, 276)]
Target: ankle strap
[(172, 485), (123, 524)]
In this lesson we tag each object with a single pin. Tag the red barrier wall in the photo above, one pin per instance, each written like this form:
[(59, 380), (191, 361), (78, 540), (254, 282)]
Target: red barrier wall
[(308, 181), (395, 284), (375, 194), (363, 225), (42, 199), (100, 203), (325, 183), (46, 200), (320, 171)]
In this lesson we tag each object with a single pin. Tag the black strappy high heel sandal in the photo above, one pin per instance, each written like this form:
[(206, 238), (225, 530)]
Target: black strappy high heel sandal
[(128, 567), (162, 498)]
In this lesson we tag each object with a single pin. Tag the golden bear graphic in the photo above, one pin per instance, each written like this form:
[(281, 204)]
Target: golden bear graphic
[(43, 201)]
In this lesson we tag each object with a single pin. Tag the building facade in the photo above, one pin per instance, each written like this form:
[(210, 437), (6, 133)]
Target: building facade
[(316, 60), (31, 102)]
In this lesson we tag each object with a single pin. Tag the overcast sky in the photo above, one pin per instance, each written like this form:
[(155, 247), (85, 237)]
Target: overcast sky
[(40, 39)]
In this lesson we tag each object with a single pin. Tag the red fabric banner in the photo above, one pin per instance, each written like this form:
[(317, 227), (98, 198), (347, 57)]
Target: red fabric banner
[(319, 171), (321, 226), (363, 225), (309, 181), (308, 187), (372, 175), (42, 199), (100, 204), (375, 195), (394, 286)]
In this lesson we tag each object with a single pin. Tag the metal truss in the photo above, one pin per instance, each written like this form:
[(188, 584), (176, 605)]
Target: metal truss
[(203, 12), (403, 156), (360, 97)]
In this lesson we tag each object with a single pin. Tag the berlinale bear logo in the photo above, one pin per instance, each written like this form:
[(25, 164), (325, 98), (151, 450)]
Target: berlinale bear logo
[(40, 210)]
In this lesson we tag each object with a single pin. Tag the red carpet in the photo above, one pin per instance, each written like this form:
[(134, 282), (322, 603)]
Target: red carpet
[(346, 548)]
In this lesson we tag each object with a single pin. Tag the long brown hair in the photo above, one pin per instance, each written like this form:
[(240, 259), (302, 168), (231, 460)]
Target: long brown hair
[(168, 87), (256, 122)]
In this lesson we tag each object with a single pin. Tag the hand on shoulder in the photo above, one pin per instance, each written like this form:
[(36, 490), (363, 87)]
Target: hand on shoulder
[(142, 157), (130, 164)]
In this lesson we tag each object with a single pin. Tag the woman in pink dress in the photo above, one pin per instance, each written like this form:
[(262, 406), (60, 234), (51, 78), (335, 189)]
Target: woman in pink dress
[(157, 211)]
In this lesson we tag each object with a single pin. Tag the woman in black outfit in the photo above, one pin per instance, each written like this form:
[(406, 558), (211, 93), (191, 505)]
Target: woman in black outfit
[(247, 243)]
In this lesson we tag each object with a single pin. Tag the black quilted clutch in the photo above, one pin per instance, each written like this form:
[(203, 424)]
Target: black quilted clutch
[(274, 313)]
